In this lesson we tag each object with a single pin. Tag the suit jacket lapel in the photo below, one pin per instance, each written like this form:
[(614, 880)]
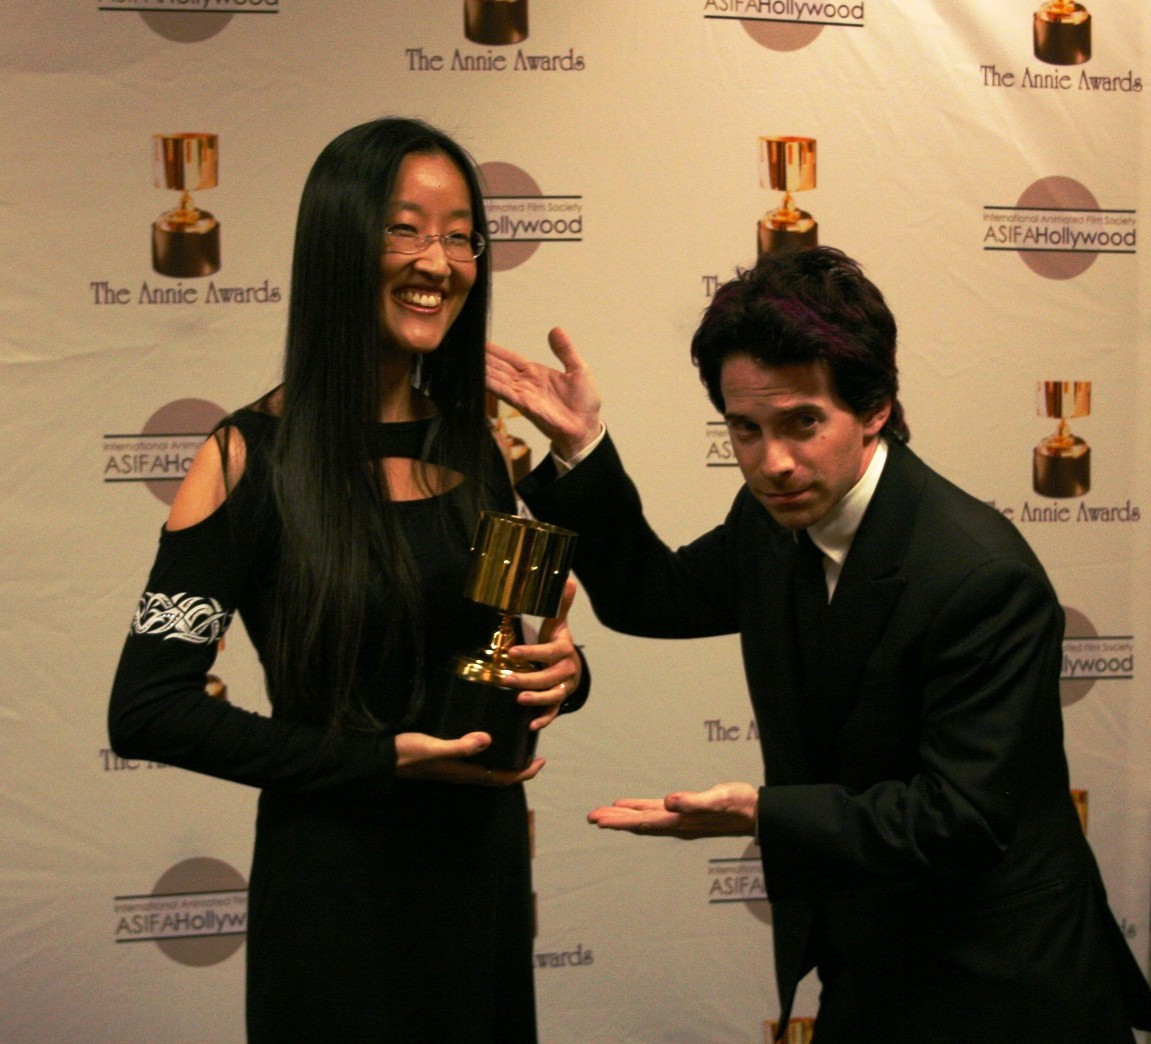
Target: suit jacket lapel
[(772, 659), (869, 586)]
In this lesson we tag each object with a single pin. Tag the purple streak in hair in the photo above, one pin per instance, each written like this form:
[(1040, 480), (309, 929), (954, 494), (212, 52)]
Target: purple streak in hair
[(814, 325)]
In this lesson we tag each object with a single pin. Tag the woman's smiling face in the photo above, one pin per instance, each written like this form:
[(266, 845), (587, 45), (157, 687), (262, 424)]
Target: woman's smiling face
[(423, 294)]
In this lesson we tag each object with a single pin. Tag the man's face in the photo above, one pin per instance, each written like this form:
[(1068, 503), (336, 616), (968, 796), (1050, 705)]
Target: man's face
[(799, 446)]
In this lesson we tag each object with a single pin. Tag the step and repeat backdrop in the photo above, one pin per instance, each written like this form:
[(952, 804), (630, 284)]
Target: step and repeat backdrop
[(989, 163)]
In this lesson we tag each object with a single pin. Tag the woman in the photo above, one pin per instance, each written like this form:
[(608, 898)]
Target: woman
[(390, 893)]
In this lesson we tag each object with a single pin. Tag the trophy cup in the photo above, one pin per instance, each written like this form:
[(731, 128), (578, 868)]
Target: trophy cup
[(1061, 465), (1061, 33), (185, 239), (786, 165), (518, 566), (496, 22)]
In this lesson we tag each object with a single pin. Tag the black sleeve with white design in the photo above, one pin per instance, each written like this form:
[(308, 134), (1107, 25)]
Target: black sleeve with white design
[(159, 709)]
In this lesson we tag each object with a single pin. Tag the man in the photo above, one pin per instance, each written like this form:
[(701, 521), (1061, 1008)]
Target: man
[(920, 845)]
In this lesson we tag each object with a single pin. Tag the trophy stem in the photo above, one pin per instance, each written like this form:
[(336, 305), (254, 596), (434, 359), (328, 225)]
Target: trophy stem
[(788, 212), (518, 568), (502, 641), (495, 658), (491, 665)]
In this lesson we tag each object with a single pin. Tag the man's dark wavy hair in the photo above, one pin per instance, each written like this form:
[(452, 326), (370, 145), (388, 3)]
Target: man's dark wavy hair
[(805, 306)]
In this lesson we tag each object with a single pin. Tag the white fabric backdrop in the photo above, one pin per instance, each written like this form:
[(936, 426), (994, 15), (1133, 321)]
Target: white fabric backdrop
[(644, 116)]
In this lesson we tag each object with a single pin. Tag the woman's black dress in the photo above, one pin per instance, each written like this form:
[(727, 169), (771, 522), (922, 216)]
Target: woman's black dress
[(379, 909)]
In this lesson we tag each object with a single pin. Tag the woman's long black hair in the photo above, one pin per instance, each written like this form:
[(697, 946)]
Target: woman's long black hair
[(340, 534)]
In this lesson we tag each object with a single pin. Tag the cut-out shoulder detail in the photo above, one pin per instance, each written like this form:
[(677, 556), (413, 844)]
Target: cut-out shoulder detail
[(410, 479), (206, 485)]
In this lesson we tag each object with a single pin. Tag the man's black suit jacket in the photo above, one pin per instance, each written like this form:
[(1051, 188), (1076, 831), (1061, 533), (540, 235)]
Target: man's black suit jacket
[(935, 863)]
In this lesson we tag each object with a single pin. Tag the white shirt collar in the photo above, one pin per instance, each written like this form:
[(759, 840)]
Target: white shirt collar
[(834, 533)]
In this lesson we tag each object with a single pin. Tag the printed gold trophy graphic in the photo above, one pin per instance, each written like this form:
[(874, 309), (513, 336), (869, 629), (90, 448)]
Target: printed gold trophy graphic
[(1080, 798), (517, 453), (787, 165), (518, 566), (799, 1031), (185, 239), (1062, 462), (496, 22), (1061, 33)]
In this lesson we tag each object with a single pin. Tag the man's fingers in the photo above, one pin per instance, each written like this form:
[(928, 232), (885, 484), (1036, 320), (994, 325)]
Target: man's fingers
[(548, 628), (564, 350), (639, 804), (625, 813), (692, 801), (566, 600)]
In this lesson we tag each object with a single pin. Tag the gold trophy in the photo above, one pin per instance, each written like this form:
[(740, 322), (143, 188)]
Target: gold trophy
[(518, 566), (1061, 465), (1061, 33), (786, 165), (185, 239)]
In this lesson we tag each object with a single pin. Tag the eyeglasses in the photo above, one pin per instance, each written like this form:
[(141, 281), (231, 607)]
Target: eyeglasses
[(458, 246)]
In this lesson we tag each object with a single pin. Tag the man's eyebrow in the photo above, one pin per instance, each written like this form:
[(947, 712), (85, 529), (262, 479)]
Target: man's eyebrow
[(779, 411)]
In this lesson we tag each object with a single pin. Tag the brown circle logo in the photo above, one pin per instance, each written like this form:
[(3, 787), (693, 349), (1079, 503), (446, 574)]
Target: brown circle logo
[(182, 425), (180, 28), (1057, 194), (1076, 628), (1089, 657), (207, 917), (506, 189), (781, 36)]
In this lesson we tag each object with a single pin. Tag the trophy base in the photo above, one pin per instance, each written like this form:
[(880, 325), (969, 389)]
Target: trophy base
[(186, 253), (1059, 42), (1061, 476), (773, 238), (476, 706), (497, 23)]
